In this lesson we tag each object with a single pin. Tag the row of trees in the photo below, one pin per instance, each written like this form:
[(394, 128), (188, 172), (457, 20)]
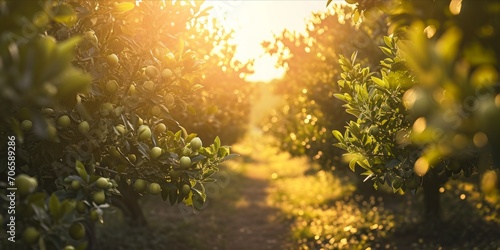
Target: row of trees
[(99, 109), (409, 89)]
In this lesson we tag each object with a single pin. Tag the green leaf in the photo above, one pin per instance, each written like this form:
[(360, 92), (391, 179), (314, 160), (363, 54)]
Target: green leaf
[(196, 87), (388, 41), (386, 51), (337, 135), (191, 109), (217, 143), (80, 168), (379, 82), (229, 157)]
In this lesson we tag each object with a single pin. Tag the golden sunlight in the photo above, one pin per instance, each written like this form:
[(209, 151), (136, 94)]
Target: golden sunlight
[(256, 21)]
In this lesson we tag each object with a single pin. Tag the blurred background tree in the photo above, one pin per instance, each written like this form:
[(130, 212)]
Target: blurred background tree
[(310, 111)]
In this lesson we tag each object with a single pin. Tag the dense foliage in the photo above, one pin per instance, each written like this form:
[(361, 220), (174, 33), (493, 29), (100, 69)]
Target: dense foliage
[(433, 110), (310, 111), (89, 85)]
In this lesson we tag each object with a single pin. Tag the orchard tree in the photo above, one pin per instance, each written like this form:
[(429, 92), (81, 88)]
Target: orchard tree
[(433, 110), (223, 104), (310, 110), (81, 146)]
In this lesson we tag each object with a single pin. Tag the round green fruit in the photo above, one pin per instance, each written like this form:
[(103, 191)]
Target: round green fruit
[(26, 125), (101, 183), (149, 86), (154, 188), (31, 235), (186, 151), (112, 59), (196, 143), (93, 215), (77, 231), (81, 207), (151, 71), (63, 121), (160, 128), (155, 152), (185, 162), (69, 247), (112, 87), (99, 197), (169, 100), (186, 189), (166, 73), (84, 127), (25, 184), (156, 111), (132, 158), (140, 185), (75, 185), (52, 132), (121, 129), (144, 133)]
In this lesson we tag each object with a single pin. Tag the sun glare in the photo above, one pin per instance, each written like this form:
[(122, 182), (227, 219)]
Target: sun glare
[(257, 21)]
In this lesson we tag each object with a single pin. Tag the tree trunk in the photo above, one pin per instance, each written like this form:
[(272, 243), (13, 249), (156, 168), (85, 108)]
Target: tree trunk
[(130, 207), (432, 205)]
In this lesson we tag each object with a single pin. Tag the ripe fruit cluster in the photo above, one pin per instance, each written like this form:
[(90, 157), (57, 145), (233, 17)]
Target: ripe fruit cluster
[(141, 185)]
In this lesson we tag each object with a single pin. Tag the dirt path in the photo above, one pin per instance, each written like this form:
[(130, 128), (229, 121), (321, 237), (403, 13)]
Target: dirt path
[(256, 225)]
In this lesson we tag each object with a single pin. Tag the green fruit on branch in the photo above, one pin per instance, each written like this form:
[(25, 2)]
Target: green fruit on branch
[(169, 100), (93, 215), (144, 133), (91, 37), (132, 158), (84, 127), (155, 152), (121, 129), (26, 125), (140, 185), (186, 189), (63, 121), (101, 183), (114, 152), (31, 235), (196, 143), (185, 162), (112, 59), (149, 86), (106, 108), (69, 247), (51, 132), (156, 111), (186, 151), (77, 231), (160, 128), (151, 71), (154, 188), (25, 184), (75, 185), (81, 207), (167, 73), (99, 197), (112, 87)]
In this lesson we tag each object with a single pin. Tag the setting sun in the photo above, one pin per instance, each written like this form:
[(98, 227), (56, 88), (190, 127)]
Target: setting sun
[(257, 21)]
